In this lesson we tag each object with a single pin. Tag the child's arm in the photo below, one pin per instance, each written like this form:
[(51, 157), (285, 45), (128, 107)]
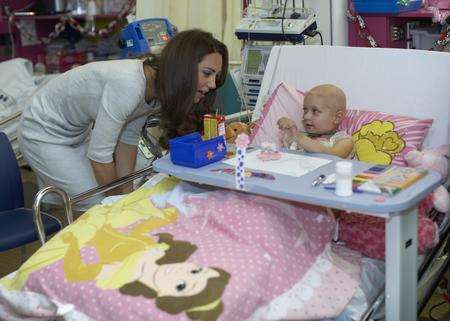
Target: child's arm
[(342, 148)]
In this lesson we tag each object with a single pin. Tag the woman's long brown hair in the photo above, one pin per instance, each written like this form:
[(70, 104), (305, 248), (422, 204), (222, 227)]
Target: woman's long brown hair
[(177, 80)]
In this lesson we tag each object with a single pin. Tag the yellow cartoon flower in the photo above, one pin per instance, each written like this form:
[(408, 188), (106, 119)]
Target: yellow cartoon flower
[(377, 142)]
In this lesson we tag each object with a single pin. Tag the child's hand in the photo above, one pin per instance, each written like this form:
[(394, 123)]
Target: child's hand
[(286, 124), (294, 141)]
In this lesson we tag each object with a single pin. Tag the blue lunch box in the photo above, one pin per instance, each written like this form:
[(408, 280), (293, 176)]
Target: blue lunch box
[(386, 6), (191, 151)]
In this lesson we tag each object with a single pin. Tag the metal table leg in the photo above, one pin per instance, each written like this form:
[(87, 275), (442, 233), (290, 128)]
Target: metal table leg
[(401, 266)]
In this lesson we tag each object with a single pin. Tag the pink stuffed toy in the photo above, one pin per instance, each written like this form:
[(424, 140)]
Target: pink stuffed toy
[(434, 159)]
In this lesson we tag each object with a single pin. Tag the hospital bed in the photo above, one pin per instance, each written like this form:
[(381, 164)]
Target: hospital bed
[(17, 83), (393, 81), (384, 79)]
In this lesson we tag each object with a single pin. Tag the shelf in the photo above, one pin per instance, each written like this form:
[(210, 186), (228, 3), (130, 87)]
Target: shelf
[(58, 16), (421, 13)]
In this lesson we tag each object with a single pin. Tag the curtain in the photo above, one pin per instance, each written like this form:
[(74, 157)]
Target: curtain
[(219, 17)]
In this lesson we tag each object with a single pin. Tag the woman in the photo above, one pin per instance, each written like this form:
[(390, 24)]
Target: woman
[(81, 129)]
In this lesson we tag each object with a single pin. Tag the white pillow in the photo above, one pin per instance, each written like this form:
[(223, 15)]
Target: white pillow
[(16, 84)]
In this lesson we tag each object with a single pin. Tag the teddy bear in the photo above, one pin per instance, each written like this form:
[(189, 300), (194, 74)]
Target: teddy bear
[(233, 129), (435, 159)]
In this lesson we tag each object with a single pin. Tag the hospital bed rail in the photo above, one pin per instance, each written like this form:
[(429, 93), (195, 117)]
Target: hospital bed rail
[(70, 201)]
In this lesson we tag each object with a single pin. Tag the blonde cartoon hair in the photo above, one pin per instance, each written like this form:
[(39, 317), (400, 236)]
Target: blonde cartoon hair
[(175, 252)]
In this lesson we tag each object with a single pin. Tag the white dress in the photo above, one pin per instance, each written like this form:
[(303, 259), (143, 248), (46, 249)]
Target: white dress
[(80, 116)]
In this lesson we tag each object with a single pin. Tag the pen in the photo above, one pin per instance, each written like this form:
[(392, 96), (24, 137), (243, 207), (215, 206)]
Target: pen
[(318, 180), (332, 187)]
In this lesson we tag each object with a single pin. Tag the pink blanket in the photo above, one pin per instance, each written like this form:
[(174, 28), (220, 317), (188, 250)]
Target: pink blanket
[(233, 256)]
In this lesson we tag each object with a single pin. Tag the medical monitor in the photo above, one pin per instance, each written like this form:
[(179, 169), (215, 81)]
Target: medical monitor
[(255, 60)]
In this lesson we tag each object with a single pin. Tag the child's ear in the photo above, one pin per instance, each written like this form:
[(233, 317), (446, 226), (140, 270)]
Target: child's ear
[(339, 116)]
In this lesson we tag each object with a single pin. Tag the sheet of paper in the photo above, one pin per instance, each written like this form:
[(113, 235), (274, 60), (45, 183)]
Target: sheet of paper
[(289, 164)]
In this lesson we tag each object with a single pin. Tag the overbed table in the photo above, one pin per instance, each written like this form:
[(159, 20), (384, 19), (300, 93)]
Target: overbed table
[(400, 212)]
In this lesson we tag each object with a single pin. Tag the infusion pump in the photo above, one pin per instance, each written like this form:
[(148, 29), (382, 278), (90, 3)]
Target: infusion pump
[(145, 36), (254, 61)]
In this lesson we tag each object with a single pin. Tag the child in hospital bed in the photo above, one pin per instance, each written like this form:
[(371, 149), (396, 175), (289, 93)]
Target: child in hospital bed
[(323, 110)]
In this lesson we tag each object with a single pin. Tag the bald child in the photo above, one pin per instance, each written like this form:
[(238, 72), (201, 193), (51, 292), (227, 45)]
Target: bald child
[(323, 110)]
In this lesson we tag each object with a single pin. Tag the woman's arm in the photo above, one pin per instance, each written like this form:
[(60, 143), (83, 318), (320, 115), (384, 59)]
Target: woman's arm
[(125, 158), (125, 161), (104, 174)]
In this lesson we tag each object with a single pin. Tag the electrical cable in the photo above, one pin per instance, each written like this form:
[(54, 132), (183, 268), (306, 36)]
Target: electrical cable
[(321, 38), (313, 33), (294, 14), (282, 20)]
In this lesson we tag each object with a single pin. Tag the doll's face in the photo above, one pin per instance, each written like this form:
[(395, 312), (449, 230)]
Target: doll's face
[(181, 279)]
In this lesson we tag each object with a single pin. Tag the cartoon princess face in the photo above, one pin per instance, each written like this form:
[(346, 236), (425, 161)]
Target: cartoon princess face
[(177, 279)]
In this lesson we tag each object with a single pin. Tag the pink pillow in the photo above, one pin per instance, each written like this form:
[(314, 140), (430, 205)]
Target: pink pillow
[(382, 138), (285, 101)]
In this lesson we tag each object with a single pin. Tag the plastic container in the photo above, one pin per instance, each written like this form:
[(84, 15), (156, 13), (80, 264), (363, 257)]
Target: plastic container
[(344, 184), (386, 6), (424, 38), (191, 151)]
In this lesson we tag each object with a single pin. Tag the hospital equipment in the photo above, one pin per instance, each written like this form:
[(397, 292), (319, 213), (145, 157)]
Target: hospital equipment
[(145, 36), (276, 29), (269, 22), (254, 61), (276, 24)]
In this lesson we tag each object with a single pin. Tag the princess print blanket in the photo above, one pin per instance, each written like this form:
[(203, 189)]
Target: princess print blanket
[(224, 256)]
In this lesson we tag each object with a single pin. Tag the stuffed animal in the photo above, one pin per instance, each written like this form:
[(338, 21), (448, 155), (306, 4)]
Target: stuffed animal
[(232, 130), (434, 159)]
